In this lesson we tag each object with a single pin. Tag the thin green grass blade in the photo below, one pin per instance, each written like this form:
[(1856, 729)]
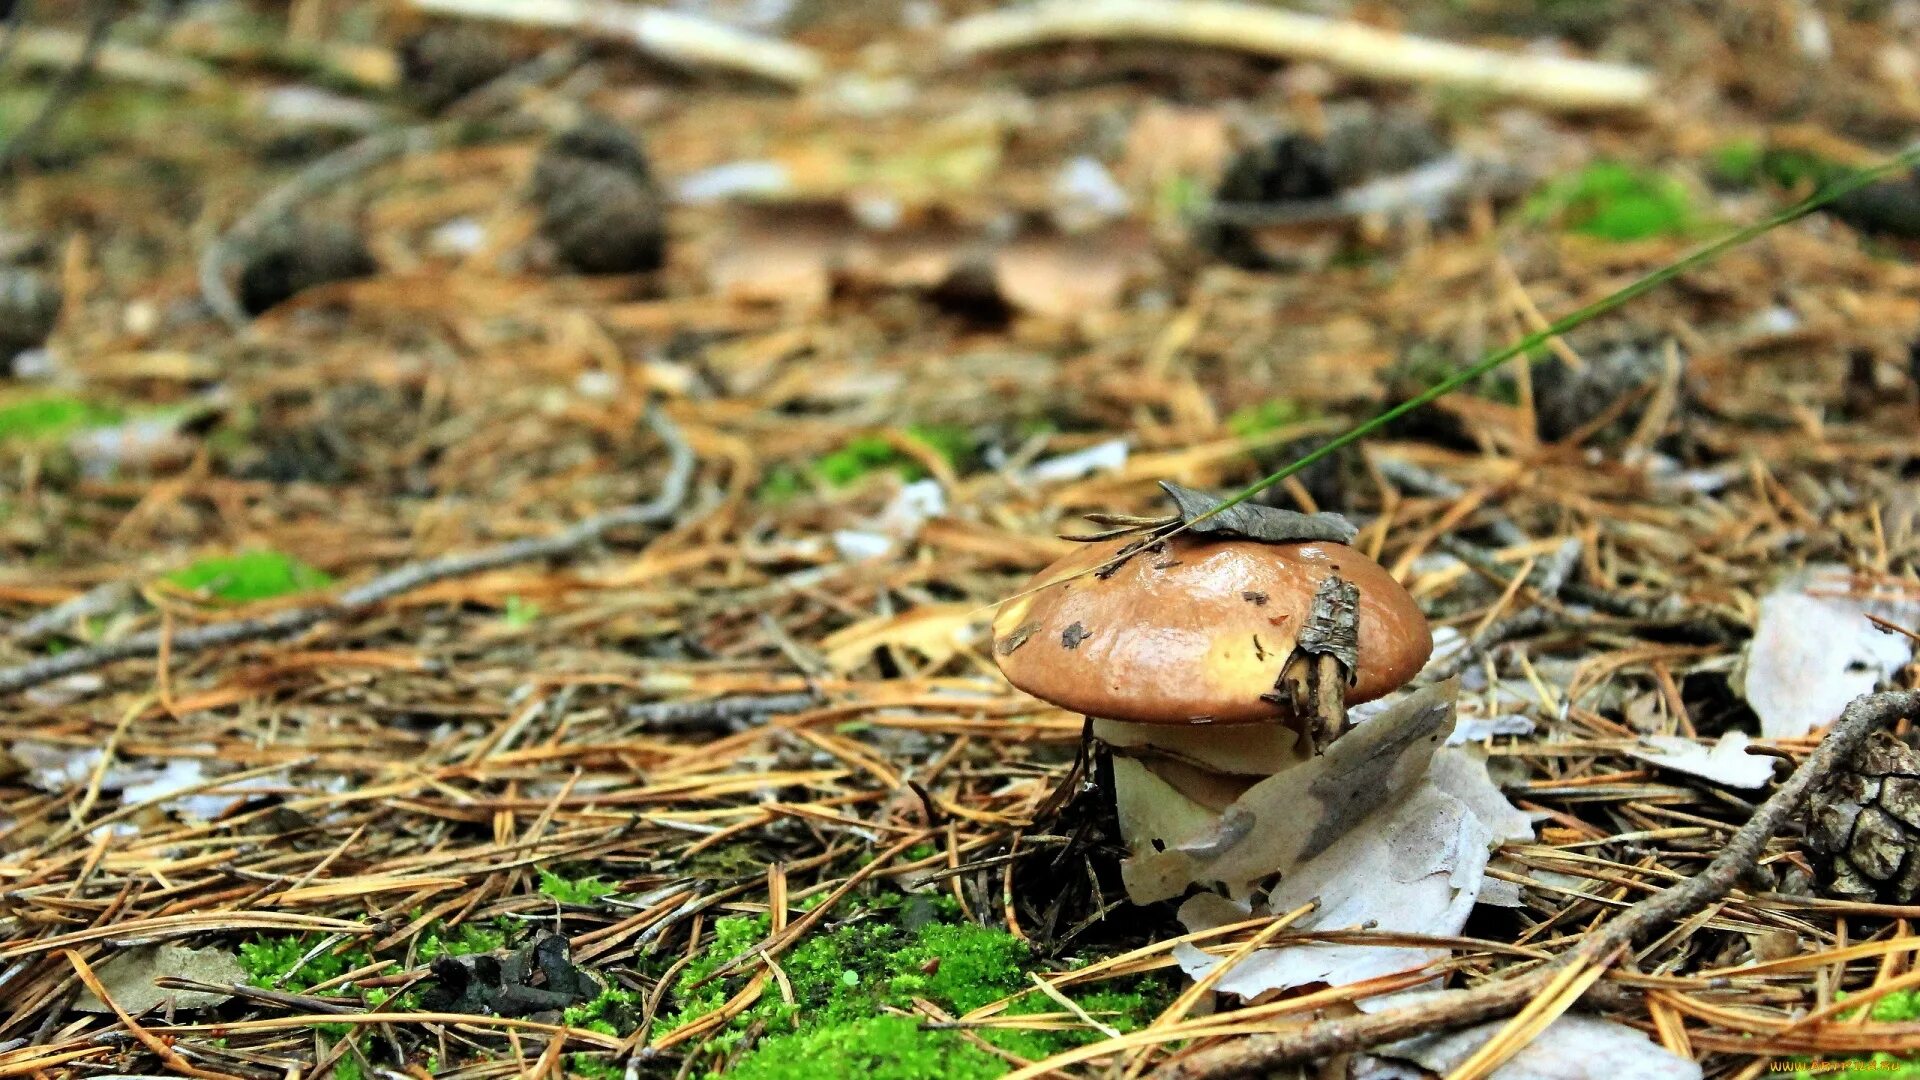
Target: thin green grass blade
[(1697, 258)]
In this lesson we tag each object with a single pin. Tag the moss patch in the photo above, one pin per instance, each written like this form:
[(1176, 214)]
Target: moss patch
[(1899, 1007), (584, 891), (40, 419), (250, 575), (865, 455), (1249, 421), (1615, 201), (851, 983)]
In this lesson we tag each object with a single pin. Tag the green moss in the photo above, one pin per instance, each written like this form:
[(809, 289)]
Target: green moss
[(867, 454), (1615, 201), (469, 938), (1901, 1006), (950, 441), (1736, 163), (520, 613), (783, 484), (41, 419), (274, 962), (876, 1048), (584, 891), (845, 981), (860, 456), (595, 1067), (250, 575), (1249, 421), (614, 1012)]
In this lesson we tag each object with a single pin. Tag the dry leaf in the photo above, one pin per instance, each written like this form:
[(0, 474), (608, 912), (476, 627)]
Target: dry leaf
[(1813, 649), (1727, 762), (1291, 817), (1573, 1047), (1416, 870), (129, 976)]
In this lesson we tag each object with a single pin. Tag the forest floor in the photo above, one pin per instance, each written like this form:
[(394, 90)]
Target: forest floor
[(703, 763)]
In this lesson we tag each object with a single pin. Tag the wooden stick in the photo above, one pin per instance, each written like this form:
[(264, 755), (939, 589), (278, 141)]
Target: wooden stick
[(1549, 81), (669, 35)]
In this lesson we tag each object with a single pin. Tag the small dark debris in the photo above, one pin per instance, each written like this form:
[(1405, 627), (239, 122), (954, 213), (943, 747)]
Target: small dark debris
[(599, 204), (537, 977), (1567, 400), (1257, 599), (1073, 635), (1006, 645), (29, 308), (294, 255), (442, 64)]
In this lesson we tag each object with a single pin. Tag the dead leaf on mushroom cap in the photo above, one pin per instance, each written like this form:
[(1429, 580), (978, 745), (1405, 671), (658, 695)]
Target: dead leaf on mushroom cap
[(1269, 524)]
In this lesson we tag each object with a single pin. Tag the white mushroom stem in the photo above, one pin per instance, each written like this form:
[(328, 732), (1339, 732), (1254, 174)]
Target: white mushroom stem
[(1171, 781), (1550, 81), (668, 35)]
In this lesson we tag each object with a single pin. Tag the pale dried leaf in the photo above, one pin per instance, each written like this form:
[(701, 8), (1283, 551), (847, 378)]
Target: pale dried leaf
[(1813, 649), (1573, 1047), (1726, 762), (1294, 816), (129, 979)]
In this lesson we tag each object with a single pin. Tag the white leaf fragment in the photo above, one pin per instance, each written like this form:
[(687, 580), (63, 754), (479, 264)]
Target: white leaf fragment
[(1573, 1047), (1727, 762), (1417, 871), (1418, 867), (1109, 456), (1813, 649)]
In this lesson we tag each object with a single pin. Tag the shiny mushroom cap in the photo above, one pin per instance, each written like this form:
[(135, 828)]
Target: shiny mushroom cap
[(1197, 629)]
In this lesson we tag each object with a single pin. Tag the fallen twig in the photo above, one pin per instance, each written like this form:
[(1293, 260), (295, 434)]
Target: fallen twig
[(1555, 82), (1260, 1054), (672, 36), (673, 493), (718, 713)]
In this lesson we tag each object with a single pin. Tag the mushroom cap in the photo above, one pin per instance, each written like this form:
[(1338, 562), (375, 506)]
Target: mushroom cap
[(1196, 630)]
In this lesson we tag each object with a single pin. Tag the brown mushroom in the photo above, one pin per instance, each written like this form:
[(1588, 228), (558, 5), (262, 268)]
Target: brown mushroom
[(1213, 661)]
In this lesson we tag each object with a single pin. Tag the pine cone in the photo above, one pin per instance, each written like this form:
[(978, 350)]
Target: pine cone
[(1865, 825), (599, 203)]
